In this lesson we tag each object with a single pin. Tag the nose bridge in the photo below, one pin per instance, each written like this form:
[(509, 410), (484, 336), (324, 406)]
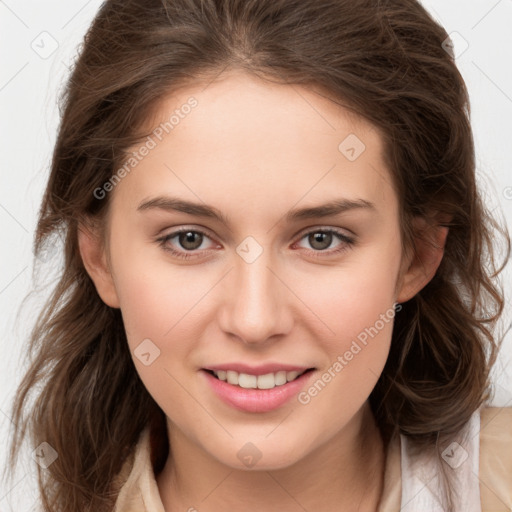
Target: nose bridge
[(256, 304)]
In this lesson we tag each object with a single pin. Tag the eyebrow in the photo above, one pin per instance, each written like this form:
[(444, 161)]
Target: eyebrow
[(331, 208)]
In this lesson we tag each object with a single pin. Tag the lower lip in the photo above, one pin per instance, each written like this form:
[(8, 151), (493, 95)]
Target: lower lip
[(256, 400)]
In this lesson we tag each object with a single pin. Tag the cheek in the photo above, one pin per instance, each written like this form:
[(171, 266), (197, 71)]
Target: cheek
[(149, 307), (355, 357), (356, 302), (162, 331), (352, 298), (155, 299), (163, 313)]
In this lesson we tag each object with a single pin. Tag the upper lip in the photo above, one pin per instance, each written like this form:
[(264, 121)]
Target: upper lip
[(262, 369)]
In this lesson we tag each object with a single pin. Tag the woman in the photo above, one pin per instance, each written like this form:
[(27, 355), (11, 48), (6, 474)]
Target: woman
[(277, 289)]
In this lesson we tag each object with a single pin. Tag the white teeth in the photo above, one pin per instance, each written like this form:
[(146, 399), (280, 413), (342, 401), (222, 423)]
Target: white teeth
[(247, 381), (266, 381), (291, 375), (232, 377), (280, 378)]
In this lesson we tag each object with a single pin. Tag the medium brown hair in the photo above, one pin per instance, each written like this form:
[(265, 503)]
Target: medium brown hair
[(382, 59)]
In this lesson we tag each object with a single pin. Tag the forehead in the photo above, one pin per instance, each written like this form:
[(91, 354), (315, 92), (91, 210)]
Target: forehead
[(256, 142)]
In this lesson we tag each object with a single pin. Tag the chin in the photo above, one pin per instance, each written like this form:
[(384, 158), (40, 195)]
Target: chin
[(260, 456)]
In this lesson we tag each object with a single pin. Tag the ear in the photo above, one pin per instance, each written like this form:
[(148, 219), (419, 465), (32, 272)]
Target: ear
[(421, 264), (94, 257)]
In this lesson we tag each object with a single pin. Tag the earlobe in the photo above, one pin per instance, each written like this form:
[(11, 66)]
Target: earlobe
[(94, 258), (425, 258)]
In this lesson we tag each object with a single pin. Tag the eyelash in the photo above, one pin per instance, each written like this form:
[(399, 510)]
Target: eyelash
[(347, 242)]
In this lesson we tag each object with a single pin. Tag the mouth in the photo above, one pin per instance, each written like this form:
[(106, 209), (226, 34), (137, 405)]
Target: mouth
[(262, 381), (257, 389)]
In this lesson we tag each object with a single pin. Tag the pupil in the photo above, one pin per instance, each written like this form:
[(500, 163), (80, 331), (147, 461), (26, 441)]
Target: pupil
[(320, 241), (187, 240)]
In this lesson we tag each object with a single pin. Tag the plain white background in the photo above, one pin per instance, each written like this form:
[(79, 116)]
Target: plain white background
[(38, 41)]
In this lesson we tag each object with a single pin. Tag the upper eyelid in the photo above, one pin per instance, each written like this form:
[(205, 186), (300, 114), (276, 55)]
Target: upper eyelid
[(314, 229)]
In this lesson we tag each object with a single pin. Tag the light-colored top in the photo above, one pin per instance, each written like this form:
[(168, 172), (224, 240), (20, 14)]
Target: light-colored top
[(480, 459)]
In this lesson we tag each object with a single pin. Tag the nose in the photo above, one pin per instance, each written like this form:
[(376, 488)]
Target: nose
[(256, 308)]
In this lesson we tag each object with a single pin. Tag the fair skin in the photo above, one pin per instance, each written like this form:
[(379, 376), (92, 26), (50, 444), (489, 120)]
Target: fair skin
[(255, 151)]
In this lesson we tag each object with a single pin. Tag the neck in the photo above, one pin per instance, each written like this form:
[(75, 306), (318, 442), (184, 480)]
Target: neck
[(345, 473)]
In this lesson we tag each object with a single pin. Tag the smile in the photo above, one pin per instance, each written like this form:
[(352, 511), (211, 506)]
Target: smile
[(248, 381), (256, 390)]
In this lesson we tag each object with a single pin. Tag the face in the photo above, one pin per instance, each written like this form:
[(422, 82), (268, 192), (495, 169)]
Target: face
[(261, 283)]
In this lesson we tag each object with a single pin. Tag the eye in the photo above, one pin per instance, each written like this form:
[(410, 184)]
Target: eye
[(321, 239), (187, 240)]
